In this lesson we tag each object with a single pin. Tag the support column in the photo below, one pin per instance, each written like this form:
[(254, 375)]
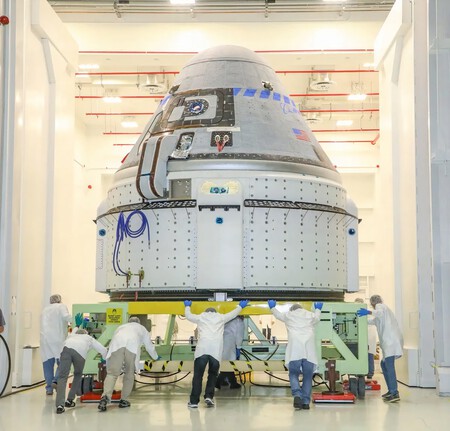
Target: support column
[(439, 113)]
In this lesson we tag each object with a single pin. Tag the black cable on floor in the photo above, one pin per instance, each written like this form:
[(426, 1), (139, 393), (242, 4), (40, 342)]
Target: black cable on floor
[(8, 374), (165, 383)]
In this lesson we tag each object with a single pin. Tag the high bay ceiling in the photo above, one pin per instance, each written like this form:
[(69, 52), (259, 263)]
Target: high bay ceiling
[(117, 90)]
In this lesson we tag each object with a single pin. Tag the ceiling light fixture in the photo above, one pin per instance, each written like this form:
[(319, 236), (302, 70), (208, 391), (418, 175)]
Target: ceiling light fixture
[(112, 99), (129, 123), (357, 97), (344, 123), (182, 2), (357, 93)]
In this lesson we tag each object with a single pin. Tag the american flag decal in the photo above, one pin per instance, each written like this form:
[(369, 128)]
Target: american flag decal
[(301, 135)]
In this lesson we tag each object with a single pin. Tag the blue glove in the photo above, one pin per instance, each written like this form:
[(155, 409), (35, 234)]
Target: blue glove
[(243, 303), (238, 353), (85, 322), (272, 303), (187, 302), (318, 305), (363, 312), (78, 319)]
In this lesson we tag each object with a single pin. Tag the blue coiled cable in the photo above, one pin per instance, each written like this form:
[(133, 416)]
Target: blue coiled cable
[(124, 231)]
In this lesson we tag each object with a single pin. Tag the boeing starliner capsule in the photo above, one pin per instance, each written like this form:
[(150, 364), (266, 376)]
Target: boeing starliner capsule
[(227, 190)]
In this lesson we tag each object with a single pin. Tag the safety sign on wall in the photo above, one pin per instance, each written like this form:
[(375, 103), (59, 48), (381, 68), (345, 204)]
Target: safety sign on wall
[(114, 316)]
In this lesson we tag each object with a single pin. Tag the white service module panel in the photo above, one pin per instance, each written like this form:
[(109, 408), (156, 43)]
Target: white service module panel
[(219, 234), (291, 247), (161, 255)]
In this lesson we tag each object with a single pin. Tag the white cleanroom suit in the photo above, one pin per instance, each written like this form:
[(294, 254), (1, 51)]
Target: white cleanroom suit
[(300, 329), (210, 331), (389, 334), (54, 320), (124, 352)]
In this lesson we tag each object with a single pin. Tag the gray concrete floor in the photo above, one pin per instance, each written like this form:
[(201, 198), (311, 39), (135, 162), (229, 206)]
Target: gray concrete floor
[(252, 407)]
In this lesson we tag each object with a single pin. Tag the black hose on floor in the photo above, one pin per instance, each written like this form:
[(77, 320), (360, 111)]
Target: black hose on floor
[(8, 374)]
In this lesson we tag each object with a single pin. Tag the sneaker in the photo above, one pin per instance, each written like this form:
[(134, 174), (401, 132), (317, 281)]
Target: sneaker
[(193, 405), (235, 386), (49, 392), (392, 398), (305, 406), (386, 394), (102, 404), (124, 403), (209, 402), (297, 403), (60, 409), (54, 385), (70, 403)]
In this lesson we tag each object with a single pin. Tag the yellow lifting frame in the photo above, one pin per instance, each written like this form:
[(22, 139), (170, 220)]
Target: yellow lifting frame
[(197, 307)]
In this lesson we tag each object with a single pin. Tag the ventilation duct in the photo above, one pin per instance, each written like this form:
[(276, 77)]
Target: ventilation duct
[(153, 86), (321, 82)]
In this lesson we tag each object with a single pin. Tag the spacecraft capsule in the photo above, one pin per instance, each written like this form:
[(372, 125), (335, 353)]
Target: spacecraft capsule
[(227, 190)]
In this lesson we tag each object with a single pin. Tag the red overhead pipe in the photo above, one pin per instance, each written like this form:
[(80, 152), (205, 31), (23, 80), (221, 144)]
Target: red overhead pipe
[(341, 142), (121, 133), (303, 111), (315, 131), (121, 97), (329, 71), (312, 51), (270, 51), (141, 52), (177, 72), (356, 167), (290, 95), (376, 139), (97, 114), (345, 130), (327, 94), (320, 142), (338, 110), (125, 73)]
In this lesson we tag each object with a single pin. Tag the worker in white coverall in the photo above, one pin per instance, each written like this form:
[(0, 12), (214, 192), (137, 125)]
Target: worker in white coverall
[(391, 343), (301, 355), (54, 320), (371, 343), (233, 334), (124, 352), (209, 349), (76, 348)]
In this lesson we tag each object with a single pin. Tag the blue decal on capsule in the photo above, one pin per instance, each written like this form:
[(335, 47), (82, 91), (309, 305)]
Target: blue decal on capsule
[(219, 220), (218, 190)]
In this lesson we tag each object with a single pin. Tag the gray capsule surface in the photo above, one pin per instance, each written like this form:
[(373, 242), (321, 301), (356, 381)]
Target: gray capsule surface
[(227, 190)]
